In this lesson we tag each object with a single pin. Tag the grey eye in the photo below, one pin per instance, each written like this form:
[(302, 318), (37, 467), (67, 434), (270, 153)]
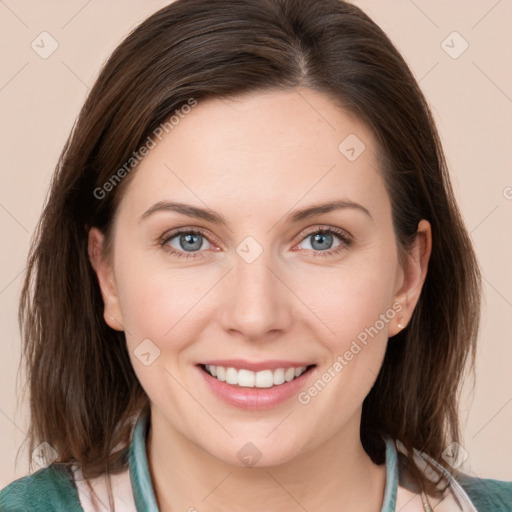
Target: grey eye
[(187, 242), (320, 241)]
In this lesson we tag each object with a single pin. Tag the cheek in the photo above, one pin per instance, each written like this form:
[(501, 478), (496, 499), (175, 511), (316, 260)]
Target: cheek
[(357, 310), (157, 303), (162, 306), (352, 297)]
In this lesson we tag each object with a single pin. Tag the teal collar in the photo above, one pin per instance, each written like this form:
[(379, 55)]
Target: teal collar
[(144, 495), (142, 488)]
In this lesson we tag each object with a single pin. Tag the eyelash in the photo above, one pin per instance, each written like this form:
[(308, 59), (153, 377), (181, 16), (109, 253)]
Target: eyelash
[(345, 239)]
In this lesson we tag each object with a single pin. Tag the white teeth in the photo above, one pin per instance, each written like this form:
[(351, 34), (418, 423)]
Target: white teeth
[(231, 376), (279, 376), (264, 379), (221, 373), (289, 374), (244, 378), (249, 379)]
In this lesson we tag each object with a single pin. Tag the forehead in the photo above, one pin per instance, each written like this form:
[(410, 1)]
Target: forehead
[(276, 147)]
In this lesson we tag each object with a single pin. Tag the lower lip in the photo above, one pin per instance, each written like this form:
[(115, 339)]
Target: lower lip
[(255, 398)]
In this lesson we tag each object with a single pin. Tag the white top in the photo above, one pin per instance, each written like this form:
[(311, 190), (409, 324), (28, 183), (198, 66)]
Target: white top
[(97, 499)]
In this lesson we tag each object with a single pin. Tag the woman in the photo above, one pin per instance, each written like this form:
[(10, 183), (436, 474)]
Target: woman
[(189, 349)]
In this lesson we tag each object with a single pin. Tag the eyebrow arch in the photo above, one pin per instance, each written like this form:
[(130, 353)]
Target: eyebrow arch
[(215, 218), (319, 209)]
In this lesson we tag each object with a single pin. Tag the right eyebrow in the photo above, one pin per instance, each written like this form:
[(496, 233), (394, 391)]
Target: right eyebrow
[(185, 209)]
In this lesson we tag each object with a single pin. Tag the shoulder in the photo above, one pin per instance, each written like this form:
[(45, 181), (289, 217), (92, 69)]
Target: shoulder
[(487, 494), (50, 489), (460, 489)]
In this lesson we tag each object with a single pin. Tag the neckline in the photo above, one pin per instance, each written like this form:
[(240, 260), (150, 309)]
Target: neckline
[(142, 486)]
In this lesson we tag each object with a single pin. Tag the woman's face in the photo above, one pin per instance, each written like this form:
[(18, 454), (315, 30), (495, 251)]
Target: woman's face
[(261, 289)]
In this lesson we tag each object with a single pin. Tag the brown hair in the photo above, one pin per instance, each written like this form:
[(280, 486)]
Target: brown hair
[(83, 390)]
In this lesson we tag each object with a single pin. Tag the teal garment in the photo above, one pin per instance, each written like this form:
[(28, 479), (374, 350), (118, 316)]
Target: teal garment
[(488, 495), (52, 489)]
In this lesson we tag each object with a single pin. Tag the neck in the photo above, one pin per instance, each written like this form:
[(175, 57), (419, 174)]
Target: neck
[(335, 475)]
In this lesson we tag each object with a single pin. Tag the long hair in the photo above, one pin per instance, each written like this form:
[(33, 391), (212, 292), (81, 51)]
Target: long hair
[(84, 393)]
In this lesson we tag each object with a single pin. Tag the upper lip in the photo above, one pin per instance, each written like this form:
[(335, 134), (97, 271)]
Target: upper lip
[(240, 364)]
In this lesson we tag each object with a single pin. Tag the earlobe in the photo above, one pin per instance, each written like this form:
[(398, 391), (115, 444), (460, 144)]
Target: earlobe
[(105, 275), (414, 272)]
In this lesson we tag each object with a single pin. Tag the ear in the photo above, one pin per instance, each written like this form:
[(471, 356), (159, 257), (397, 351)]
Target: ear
[(105, 275), (412, 276)]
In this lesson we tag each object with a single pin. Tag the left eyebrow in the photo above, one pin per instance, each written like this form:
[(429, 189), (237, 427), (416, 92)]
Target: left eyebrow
[(320, 209)]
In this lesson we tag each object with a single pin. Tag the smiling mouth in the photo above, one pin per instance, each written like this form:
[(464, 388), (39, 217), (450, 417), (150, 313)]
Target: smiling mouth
[(243, 378)]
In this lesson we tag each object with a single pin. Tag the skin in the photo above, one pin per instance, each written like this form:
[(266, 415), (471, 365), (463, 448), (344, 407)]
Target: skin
[(278, 149)]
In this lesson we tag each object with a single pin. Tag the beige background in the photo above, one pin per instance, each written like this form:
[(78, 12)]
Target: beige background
[(471, 97)]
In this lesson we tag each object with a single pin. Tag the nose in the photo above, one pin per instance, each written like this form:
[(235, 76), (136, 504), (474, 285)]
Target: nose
[(258, 303)]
